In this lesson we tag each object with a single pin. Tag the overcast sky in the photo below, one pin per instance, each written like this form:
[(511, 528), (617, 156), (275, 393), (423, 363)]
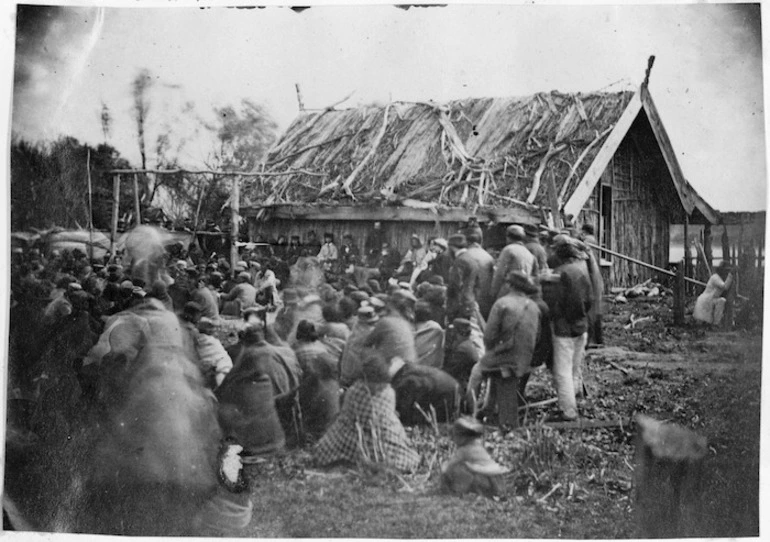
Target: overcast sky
[(706, 82)]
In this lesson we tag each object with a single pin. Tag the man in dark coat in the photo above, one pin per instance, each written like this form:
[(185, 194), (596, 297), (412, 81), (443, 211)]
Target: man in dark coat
[(573, 302), (247, 409), (427, 387), (461, 355)]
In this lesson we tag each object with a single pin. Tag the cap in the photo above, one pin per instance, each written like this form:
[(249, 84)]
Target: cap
[(515, 232), (458, 240), (243, 275)]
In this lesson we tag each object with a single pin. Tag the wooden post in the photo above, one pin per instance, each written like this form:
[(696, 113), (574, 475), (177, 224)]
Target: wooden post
[(725, 244), (679, 295), (707, 245), (235, 215), (137, 208), (299, 98), (668, 474), (115, 213), (90, 208), (687, 254)]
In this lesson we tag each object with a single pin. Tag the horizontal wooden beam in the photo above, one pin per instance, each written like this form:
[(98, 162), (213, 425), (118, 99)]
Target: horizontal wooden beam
[(393, 213)]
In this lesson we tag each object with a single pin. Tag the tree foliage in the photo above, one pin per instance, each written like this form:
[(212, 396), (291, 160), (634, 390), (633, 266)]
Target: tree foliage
[(49, 184)]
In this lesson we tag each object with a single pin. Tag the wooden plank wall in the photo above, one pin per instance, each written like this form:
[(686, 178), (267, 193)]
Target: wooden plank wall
[(640, 221)]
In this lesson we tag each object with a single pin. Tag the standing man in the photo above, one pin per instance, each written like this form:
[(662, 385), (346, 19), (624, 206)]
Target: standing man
[(574, 298), (463, 277), (536, 248), (511, 333), (514, 257), (486, 265)]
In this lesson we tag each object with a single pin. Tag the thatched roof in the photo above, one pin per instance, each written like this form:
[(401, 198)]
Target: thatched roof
[(469, 153)]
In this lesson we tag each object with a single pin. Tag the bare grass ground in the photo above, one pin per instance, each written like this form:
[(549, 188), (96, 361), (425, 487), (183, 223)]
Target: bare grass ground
[(563, 483)]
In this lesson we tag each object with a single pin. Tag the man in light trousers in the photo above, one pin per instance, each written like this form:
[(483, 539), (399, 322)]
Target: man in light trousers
[(570, 324)]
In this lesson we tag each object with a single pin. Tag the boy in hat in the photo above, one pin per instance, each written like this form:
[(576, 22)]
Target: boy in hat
[(471, 469)]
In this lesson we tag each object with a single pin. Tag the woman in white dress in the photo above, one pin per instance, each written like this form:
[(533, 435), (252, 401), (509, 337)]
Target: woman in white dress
[(710, 306)]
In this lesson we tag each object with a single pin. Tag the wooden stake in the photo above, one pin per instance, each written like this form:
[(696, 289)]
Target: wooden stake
[(668, 474), (679, 295), (235, 215), (90, 208), (299, 98), (115, 213), (137, 208)]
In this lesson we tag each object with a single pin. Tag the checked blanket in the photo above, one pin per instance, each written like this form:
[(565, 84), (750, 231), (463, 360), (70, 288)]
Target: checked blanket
[(368, 429)]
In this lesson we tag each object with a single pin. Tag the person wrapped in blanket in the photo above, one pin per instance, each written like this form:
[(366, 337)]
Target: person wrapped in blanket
[(368, 429)]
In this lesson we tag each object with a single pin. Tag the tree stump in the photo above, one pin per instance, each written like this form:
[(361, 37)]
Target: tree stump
[(668, 473)]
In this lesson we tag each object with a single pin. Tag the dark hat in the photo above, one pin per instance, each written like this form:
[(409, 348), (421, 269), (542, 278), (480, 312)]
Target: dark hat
[(349, 289), (359, 296), (588, 228), (374, 285), (515, 232), (306, 331), (191, 307), (457, 240), (461, 324), (206, 325), (521, 282), (258, 310), (531, 230), (468, 425), (436, 280), (404, 296)]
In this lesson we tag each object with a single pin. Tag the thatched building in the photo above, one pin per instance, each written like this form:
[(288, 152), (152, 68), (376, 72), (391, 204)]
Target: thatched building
[(603, 158)]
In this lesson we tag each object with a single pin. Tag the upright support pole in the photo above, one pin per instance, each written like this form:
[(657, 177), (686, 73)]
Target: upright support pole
[(235, 210), (299, 98), (115, 213), (679, 295), (707, 245), (90, 208), (137, 208), (687, 254)]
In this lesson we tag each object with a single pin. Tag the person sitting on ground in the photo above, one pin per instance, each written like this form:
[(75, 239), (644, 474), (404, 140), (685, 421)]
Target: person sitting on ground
[(393, 334), (204, 296), (246, 399), (428, 337), (421, 391), (461, 355), (215, 362), (243, 294), (367, 429), (351, 368), (710, 306), (471, 469), (319, 389)]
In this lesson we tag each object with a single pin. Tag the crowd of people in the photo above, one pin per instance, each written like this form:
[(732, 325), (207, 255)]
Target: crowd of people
[(382, 341)]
